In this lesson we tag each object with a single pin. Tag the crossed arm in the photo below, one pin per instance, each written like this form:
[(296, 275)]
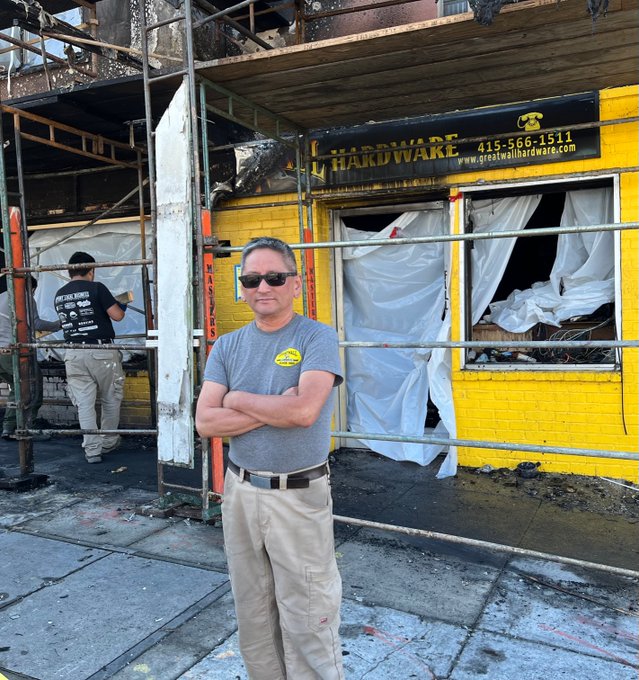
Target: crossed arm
[(224, 413)]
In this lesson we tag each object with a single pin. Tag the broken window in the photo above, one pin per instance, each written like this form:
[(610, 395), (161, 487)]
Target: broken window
[(450, 7), (546, 287), (14, 58)]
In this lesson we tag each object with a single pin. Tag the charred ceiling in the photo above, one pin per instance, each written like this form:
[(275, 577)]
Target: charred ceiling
[(533, 49)]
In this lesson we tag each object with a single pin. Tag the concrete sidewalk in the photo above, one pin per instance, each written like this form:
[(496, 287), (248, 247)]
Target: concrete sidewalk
[(90, 590)]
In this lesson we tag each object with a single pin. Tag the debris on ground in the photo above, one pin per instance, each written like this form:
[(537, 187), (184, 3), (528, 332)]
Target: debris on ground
[(570, 492), (527, 470)]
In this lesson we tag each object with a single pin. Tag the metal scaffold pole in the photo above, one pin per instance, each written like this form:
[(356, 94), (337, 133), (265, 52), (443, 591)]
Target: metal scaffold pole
[(197, 179)]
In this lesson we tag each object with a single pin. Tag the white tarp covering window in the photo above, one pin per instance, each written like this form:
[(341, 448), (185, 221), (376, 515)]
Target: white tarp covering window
[(490, 256), (113, 242), (397, 294), (393, 294), (582, 278)]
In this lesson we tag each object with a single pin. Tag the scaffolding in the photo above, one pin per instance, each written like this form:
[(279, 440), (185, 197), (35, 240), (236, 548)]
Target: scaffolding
[(18, 265), (219, 101), (209, 100), (111, 154)]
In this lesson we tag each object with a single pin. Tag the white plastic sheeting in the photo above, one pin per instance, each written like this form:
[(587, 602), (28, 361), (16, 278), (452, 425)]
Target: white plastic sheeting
[(490, 257), (116, 241), (393, 294), (582, 278), (397, 294)]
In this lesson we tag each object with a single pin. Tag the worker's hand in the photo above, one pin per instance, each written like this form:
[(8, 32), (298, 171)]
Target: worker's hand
[(291, 392)]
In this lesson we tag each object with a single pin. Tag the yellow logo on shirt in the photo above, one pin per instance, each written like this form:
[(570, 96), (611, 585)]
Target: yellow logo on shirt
[(289, 357)]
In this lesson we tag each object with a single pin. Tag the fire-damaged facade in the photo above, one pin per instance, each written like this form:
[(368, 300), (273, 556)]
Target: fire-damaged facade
[(522, 169), (468, 176), (544, 170)]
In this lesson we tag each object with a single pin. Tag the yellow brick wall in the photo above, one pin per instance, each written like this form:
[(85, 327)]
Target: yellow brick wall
[(597, 410), (591, 410), (135, 412), (242, 223), (136, 409)]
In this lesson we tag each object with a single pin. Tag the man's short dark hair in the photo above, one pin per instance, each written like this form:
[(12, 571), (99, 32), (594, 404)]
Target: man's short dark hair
[(270, 243), (80, 257)]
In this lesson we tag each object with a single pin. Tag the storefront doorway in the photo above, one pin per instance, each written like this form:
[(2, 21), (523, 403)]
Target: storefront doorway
[(392, 294)]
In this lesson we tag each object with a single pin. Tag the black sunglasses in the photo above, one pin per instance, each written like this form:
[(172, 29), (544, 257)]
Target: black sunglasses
[(272, 279)]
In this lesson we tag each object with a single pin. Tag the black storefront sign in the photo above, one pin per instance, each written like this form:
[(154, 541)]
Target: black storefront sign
[(513, 135)]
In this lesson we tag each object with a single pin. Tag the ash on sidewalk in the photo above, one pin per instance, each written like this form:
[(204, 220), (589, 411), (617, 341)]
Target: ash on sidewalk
[(89, 589)]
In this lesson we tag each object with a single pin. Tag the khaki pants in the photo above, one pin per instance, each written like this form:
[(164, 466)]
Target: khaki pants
[(6, 375), (89, 372), (286, 585)]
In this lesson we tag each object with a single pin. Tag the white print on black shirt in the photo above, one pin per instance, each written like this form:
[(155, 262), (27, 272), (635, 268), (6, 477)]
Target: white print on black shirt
[(72, 296)]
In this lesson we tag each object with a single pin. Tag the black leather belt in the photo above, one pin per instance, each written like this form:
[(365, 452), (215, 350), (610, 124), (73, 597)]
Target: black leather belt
[(296, 480)]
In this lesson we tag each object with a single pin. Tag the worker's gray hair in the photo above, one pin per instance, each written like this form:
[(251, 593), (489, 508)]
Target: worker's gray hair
[(270, 243)]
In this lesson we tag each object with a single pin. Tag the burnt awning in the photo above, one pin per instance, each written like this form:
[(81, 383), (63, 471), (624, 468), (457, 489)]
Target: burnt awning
[(113, 109), (532, 50)]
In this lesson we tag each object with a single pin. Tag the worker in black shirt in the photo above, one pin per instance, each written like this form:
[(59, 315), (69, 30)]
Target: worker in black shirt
[(86, 309)]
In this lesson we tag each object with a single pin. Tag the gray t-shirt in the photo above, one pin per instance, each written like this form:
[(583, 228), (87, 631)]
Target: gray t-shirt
[(251, 360), (6, 337)]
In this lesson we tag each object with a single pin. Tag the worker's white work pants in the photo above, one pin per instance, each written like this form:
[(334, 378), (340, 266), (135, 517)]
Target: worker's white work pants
[(287, 589), (92, 372)]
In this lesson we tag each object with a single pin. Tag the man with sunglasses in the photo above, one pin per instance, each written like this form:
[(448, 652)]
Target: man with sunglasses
[(268, 387)]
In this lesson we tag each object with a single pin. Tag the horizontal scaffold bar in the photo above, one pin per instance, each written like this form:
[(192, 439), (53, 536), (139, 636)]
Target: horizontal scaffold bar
[(65, 433), (495, 344), (83, 265), (474, 236), (501, 446), (75, 345), (476, 543)]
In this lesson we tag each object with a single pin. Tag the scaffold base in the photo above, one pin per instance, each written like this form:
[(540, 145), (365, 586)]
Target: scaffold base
[(23, 483)]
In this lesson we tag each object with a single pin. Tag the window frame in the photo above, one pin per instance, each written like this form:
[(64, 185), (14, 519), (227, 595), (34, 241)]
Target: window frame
[(464, 292)]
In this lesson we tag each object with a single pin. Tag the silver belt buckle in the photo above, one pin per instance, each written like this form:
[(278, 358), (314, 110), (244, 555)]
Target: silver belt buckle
[(260, 482)]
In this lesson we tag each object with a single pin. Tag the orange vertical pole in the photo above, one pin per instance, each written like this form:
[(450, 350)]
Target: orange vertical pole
[(19, 283), (20, 297), (23, 391), (210, 333), (309, 261)]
